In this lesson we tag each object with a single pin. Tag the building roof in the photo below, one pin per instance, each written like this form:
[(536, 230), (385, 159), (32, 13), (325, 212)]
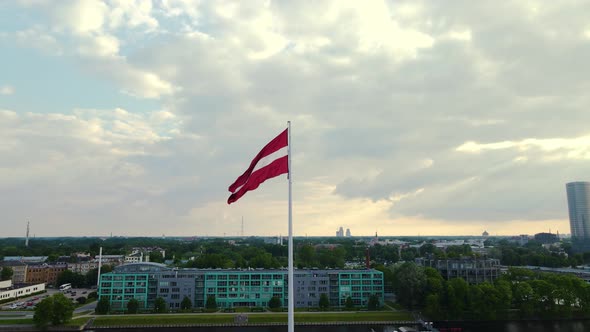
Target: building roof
[(12, 263), (26, 258)]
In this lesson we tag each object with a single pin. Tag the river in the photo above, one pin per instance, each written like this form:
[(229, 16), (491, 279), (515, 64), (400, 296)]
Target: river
[(520, 326)]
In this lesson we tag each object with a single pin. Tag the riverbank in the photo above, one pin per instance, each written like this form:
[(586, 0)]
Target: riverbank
[(222, 320)]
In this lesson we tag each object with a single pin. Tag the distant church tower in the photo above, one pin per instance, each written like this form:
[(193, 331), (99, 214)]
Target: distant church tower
[(27, 238)]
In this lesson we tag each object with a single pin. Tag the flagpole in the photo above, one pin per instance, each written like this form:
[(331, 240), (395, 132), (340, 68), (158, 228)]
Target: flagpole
[(291, 295)]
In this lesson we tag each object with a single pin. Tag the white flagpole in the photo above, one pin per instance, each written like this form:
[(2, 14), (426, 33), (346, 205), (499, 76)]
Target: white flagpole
[(99, 266), (291, 322)]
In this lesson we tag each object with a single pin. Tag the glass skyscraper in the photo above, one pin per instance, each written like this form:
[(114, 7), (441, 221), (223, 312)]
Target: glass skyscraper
[(578, 201)]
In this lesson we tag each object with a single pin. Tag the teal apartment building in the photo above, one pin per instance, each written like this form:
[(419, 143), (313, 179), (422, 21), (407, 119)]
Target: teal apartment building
[(235, 288)]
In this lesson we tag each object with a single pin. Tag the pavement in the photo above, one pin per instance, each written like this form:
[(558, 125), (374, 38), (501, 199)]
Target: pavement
[(26, 304)]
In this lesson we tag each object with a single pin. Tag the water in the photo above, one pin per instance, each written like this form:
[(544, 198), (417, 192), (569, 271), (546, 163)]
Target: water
[(352, 328), (525, 326)]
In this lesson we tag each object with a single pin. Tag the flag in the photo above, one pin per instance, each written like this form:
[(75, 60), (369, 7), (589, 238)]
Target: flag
[(271, 161)]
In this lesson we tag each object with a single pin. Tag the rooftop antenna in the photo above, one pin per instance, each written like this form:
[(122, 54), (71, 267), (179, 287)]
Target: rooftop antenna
[(27, 239)]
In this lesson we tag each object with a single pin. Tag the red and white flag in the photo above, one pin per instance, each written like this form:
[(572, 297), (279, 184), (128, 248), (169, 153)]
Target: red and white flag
[(271, 161)]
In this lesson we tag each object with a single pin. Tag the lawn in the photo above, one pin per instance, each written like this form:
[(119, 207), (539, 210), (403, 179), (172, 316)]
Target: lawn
[(29, 321), (26, 321), (252, 318)]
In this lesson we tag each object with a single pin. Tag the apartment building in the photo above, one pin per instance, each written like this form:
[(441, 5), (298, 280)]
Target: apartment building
[(235, 288)]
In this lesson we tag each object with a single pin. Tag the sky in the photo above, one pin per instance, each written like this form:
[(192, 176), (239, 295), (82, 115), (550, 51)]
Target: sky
[(408, 117)]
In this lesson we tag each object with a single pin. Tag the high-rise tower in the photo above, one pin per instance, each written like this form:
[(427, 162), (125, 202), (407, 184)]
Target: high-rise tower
[(27, 238), (578, 201)]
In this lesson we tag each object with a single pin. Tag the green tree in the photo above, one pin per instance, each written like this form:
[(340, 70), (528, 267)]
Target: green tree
[(156, 257), (160, 305), (324, 301), (433, 308), (307, 255), (457, 297), (43, 313), (211, 302), (349, 305), (186, 304), (91, 278), (275, 303), (6, 273), (488, 305), (103, 306), (63, 309), (68, 277), (523, 298), (409, 284), (504, 291), (132, 306), (373, 303)]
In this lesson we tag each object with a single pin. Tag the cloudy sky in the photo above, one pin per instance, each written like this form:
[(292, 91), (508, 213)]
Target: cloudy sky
[(408, 117)]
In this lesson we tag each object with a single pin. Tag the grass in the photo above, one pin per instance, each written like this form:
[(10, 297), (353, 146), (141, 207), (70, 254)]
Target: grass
[(82, 313), (26, 321), (77, 322), (252, 318)]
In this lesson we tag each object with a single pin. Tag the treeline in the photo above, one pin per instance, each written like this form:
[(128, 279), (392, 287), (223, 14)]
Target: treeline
[(520, 293), (533, 253), (315, 252), (79, 280)]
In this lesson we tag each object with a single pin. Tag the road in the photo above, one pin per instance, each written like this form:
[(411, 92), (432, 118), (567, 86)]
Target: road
[(6, 312)]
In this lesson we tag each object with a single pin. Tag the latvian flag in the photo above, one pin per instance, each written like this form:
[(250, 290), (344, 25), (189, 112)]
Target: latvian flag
[(271, 161)]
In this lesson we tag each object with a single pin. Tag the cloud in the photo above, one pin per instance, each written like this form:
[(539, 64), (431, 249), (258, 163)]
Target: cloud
[(407, 116), (6, 90)]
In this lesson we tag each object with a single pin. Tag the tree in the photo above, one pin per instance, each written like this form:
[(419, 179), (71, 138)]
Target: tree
[(409, 283), (523, 298), (103, 306), (43, 313), (91, 278), (211, 302), (349, 305), (275, 303), (156, 257), (373, 303), (132, 306), (324, 301), (63, 309), (6, 273), (457, 297), (433, 308), (186, 304), (160, 305), (307, 255), (69, 277)]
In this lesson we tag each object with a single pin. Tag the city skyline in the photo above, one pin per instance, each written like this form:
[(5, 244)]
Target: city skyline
[(407, 118)]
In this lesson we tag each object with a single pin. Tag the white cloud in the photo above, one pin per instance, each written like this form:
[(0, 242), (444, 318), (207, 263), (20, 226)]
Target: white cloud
[(99, 46), (132, 14), (79, 16), (404, 114), (553, 148), (6, 90), (36, 37)]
